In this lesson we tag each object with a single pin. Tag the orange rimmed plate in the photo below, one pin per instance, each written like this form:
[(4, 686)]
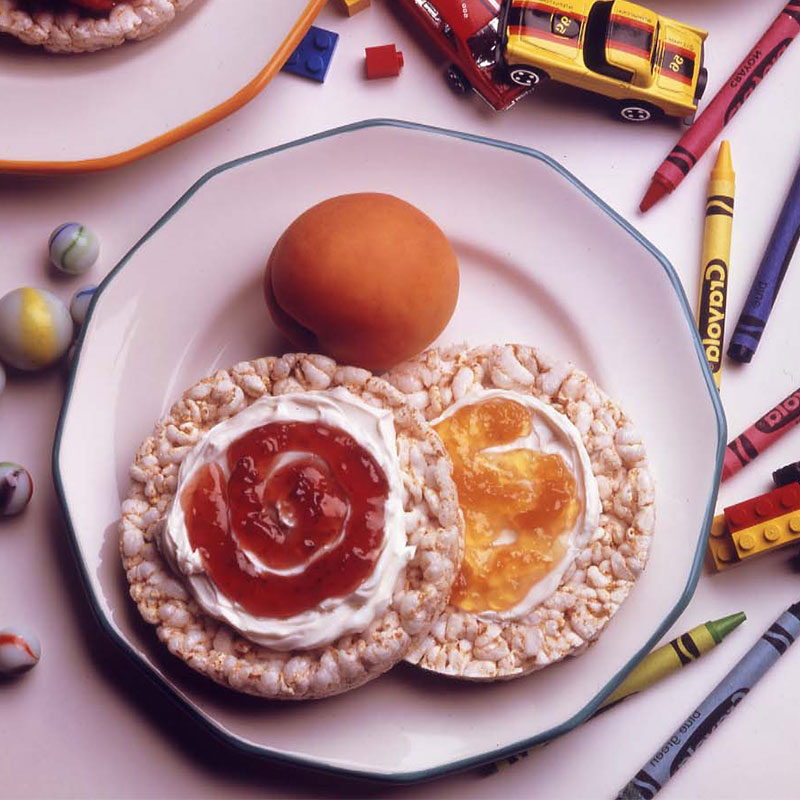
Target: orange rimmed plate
[(95, 111)]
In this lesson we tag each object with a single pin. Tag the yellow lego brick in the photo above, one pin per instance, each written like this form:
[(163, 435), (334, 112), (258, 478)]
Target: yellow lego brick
[(767, 536), (352, 7), (720, 545)]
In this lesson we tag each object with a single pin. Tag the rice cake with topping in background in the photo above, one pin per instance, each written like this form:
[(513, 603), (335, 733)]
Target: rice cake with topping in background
[(70, 28)]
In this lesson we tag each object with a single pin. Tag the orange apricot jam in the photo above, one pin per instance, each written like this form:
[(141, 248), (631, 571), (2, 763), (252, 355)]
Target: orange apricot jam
[(519, 505), (306, 499)]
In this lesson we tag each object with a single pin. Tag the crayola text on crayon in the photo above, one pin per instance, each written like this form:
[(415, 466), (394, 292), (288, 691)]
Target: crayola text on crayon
[(785, 413), (744, 69), (712, 310), (715, 261)]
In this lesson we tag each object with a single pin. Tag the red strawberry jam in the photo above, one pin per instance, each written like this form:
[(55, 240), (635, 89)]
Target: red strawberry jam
[(97, 6), (303, 500), (93, 6)]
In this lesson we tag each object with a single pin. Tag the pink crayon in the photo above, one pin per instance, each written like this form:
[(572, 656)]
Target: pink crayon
[(730, 98), (763, 433)]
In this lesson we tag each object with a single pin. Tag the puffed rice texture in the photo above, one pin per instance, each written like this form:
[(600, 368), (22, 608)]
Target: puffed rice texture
[(72, 31), (592, 589), (433, 523)]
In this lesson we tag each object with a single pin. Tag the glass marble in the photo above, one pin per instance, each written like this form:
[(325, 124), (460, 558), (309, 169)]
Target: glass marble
[(79, 305), (35, 329), (16, 488), (20, 650), (74, 248)]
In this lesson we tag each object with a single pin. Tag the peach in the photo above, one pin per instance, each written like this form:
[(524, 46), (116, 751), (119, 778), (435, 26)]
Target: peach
[(366, 278)]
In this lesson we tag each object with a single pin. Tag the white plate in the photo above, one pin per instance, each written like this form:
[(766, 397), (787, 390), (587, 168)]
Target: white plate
[(98, 110), (543, 262)]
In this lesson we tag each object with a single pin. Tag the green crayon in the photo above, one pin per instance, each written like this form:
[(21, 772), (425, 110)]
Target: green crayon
[(659, 664), (672, 656)]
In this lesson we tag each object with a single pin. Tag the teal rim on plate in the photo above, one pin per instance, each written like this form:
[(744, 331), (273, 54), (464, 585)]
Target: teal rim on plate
[(491, 755)]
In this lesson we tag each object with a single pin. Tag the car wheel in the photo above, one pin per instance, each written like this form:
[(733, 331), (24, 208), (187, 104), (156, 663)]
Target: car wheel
[(631, 111), (457, 80), (702, 81), (522, 75)]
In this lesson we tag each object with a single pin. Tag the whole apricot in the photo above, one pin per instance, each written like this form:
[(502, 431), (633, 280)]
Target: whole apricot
[(366, 278)]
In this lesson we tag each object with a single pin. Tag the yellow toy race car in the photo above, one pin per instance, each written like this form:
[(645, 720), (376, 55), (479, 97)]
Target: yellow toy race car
[(650, 64)]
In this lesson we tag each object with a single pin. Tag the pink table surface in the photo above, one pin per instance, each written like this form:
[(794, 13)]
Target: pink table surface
[(84, 723)]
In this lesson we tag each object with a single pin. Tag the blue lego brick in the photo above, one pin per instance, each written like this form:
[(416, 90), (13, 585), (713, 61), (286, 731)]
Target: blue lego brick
[(313, 55)]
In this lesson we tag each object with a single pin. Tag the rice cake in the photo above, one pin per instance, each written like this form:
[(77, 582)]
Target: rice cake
[(463, 644), (432, 523)]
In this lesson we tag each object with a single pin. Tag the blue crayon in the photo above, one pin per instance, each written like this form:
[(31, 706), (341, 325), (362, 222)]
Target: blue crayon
[(768, 279), (714, 710)]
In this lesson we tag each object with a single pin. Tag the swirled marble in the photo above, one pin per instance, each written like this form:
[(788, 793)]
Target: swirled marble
[(16, 488), (35, 329), (20, 650), (79, 305), (74, 248)]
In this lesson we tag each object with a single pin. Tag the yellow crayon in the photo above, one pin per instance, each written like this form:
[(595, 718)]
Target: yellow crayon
[(716, 259)]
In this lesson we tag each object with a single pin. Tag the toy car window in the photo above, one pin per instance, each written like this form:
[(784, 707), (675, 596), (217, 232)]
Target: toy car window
[(483, 45), (530, 17), (594, 44), (631, 37)]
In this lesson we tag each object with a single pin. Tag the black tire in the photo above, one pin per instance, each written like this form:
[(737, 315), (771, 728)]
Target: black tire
[(523, 75), (457, 80), (702, 81), (636, 112)]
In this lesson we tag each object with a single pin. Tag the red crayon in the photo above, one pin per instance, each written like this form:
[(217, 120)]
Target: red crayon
[(759, 436), (725, 104)]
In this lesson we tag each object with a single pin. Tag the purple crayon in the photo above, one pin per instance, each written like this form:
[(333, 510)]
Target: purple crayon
[(768, 279), (786, 475)]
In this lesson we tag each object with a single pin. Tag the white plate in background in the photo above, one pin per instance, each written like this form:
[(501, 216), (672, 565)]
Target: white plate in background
[(90, 111)]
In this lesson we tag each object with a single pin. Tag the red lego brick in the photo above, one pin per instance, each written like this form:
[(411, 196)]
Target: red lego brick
[(760, 509), (383, 62)]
